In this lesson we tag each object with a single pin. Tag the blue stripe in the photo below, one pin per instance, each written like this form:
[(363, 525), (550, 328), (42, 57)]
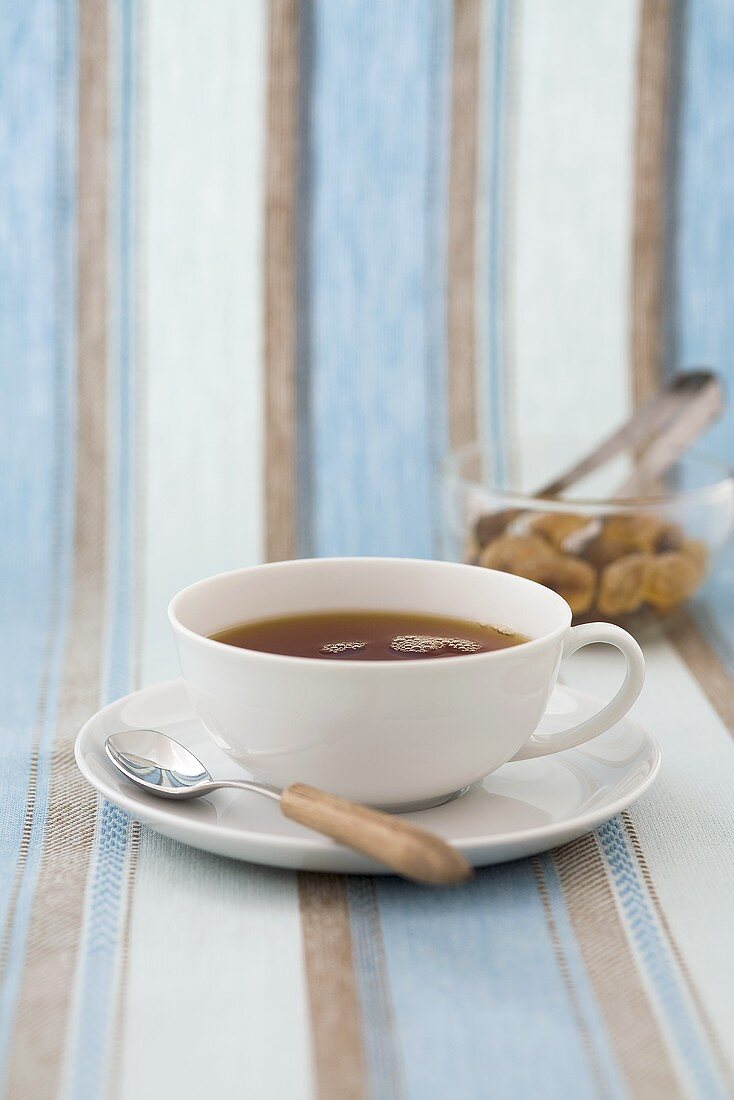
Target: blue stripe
[(90, 1034), (88, 1040), (118, 672), (30, 484), (704, 246), (371, 294), (660, 967), (472, 975), (37, 58)]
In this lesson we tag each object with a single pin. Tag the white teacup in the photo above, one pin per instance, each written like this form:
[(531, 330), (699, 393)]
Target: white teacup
[(389, 733)]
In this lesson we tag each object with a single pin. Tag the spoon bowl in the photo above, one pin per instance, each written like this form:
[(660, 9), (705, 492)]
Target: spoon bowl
[(153, 760), (161, 765)]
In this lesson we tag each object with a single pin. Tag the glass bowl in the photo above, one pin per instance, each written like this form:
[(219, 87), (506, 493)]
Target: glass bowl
[(634, 561)]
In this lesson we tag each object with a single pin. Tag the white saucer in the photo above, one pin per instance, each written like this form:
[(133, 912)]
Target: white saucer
[(517, 811)]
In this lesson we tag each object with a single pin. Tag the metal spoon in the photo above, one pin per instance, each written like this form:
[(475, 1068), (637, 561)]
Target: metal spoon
[(163, 767)]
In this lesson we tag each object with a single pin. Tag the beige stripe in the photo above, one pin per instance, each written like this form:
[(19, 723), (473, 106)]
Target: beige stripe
[(596, 1071), (280, 281), (56, 918), (635, 1035), (715, 681), (461, 262), (649, 196), (332, 990), (706, 1025)]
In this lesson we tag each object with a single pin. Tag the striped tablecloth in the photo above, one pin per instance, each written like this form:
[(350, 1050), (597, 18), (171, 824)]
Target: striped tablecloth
[(260, 265)]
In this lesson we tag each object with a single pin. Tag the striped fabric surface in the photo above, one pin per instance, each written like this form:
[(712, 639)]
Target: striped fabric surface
[(260, 265)]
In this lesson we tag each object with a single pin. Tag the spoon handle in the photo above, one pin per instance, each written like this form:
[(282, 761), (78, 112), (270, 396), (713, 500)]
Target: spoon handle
[(669, 412), (404, 848), (674, 438)]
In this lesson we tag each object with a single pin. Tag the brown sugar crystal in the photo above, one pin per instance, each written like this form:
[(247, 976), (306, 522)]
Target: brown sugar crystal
[(672, 577), (695, 550), (671, 537), (622, 584), (623, 535), (556, 527), (512, 553), (571, 578), (618, 563)]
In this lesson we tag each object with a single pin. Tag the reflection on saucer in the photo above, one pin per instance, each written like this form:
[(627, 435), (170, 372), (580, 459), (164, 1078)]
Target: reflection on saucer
[(498, 814)]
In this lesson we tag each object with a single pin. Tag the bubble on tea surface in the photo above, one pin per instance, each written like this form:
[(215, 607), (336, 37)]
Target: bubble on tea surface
[(430, 643), (463, 645), (417, 643), (335, 648)]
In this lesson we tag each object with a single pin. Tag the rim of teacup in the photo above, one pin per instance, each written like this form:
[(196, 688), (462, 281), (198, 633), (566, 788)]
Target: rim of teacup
[(522, 583)]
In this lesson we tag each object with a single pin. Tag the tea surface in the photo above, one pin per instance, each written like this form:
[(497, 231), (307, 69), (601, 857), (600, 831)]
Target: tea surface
[(369, 636)]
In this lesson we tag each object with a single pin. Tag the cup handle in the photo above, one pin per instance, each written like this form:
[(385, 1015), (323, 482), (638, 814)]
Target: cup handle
[(543, 744)]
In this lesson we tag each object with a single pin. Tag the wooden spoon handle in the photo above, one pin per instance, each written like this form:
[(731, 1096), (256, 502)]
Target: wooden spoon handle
[(404, 848)]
